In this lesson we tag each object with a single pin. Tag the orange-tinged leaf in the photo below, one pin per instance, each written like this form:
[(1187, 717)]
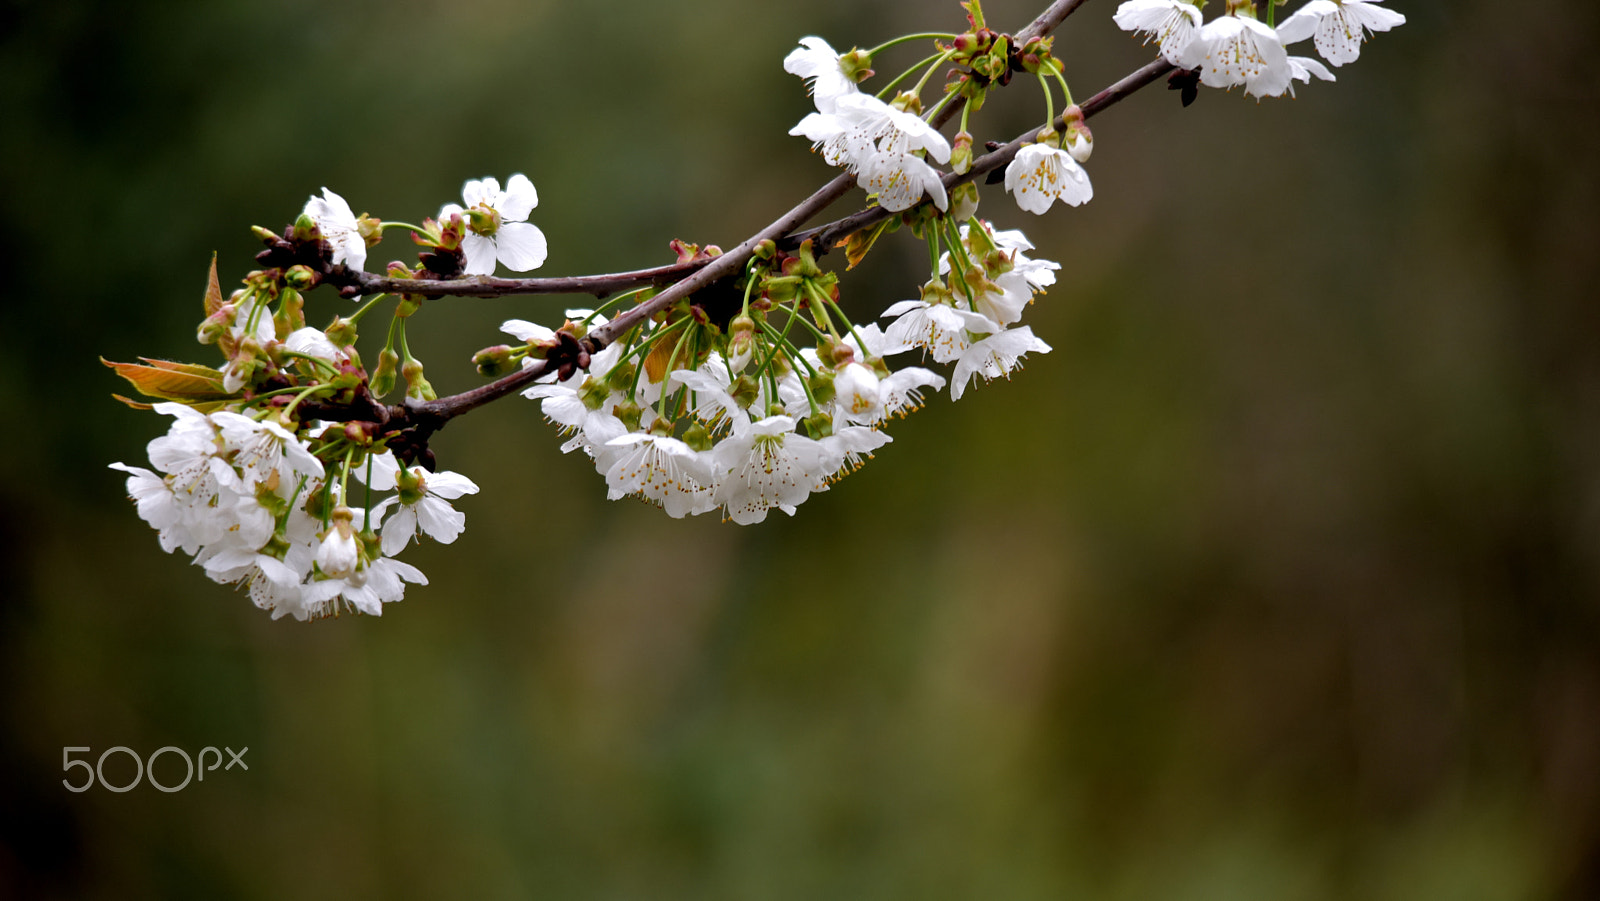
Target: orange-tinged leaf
[(213, 288), (166, 380), (857, 245), (655, 365), (137, 405)]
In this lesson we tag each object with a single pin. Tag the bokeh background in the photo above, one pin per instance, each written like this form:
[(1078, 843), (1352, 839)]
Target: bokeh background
[(1278, 579)]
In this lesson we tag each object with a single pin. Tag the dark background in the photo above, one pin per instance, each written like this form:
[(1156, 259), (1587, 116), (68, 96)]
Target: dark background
[(1276, 580)]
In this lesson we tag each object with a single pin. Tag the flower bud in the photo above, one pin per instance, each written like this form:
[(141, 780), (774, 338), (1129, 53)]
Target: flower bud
[(300, 277), (342, 332), (818, 426), (305, 229), (417, 387), (267, 235), (744, 391), (964, 201), (370, 228), (856, 65), (908, 102), (339, 555), (216, 325), (290, 316), (493, 362), (698, 437), (383, 379), (961, 153)]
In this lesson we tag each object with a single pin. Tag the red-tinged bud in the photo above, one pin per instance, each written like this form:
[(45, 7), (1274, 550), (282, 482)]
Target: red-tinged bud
[(267, 235), (961, 153), (765, 250), (216, 325), (493, 362), (684, 249)]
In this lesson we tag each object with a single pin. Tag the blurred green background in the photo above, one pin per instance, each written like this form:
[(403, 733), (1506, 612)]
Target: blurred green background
[(1278, 579)]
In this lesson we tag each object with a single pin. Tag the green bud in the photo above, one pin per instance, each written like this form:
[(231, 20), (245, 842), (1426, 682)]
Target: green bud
[(698, 437), (300, 277), (305, 229), (266, 235), (817, 426), (370, 228), (964, 201), (822, 387), (342, 332), (856, 65), (417, 387), (630, 414), (291, 313), (908, 103), (383, 380), (744, 391)]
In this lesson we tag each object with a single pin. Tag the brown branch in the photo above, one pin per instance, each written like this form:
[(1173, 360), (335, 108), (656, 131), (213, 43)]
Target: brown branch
[(488, 286), (423, 418)]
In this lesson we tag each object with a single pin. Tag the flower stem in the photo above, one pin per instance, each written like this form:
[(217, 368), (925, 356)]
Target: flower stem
[(907, 38)]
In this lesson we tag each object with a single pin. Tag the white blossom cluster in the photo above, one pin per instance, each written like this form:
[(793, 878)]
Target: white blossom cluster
[(766, 424), (1238, 50), (694, 406), (255, 507)]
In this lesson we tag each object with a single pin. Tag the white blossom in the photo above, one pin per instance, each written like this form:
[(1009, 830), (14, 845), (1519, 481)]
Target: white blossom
[(994, 356), (1338, 27), (338, 226), (1239, 50), (1041, 174), (818, 64), (504, 232), (424, 500), (662, 470), (943, 331), (1173, 23), (765, 465)]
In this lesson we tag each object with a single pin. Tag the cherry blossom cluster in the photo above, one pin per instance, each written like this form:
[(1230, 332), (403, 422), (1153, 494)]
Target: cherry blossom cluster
[(258, 493), (1236, 49), (724, 383), (791, 396), (255, 505)]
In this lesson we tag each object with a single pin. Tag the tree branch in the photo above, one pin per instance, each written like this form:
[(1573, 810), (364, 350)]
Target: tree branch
[(488, 286), (423, 418)]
